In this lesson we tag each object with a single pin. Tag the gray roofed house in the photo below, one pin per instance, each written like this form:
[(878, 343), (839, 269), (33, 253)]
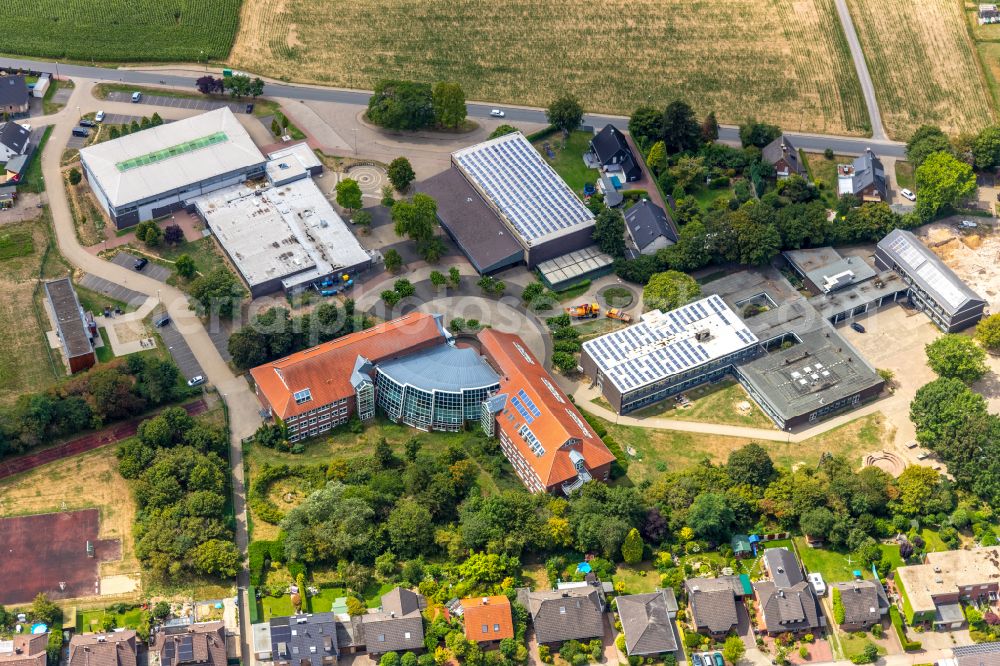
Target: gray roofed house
[(72, 326), (116, 648), (611, 148), (860, 600), (569, 614), (783, 567), (201, 643), (712, 602), (649, 227), (934, 287), (787, 602), (304, 640), (398, 626), (864, 178), (784, 157), (648, 622), (14, 95), (979, 654), (13, 140)]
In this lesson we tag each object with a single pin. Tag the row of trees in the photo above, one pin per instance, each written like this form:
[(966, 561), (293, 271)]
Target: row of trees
[(180, 483), (275, 332), (409, 105), (116, 131), (237, 85), (944, 175), (111, 392)]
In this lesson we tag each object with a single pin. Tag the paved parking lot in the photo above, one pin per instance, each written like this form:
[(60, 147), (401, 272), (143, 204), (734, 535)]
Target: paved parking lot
[(179, 350), (153, 270), (180, 102), (76, 141), (119, 119), (112, 290)]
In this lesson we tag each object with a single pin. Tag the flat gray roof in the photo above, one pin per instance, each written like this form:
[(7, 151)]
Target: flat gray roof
[(820, 370), (574, 265), (441, 368), (809, 259), (928, 271), (172, 156), (523, 187), (279, 232), (477, 229)]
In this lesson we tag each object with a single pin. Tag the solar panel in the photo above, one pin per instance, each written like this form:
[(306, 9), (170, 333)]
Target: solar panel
[(530, 404)]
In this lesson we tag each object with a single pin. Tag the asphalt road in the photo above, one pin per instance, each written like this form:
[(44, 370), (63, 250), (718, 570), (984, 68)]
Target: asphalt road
[(867, 87), (811, 142)]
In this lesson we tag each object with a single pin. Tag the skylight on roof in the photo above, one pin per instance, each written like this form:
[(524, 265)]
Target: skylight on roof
[(523, 353), (532, 441), (305, 395), (552, 390), (172, 151)]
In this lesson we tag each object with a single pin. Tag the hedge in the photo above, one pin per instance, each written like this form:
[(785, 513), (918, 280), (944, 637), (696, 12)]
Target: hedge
[(253, 603), (839, 613), (542, 133), (897, 622), (620, 466), (261, 554)]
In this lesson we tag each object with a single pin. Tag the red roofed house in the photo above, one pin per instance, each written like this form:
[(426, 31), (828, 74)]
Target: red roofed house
[(319, 388), (24, 650), (487, 620), (541, 432)]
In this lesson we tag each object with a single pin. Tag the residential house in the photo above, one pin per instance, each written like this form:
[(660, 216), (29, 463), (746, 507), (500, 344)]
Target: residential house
[(116, 648), (864, 178), (397, 626), (541, 432), (304, 640), (16, 167), (988, 13), (648, 622), (75, 329), (712, 603), (978, 654), (563, 615), (14, 95), (201, 644), (935, 589), (784, 157), (649, 227), (488, 620), (862, 604), (24, 650), (610, 148), (13, 140), (787, 602)]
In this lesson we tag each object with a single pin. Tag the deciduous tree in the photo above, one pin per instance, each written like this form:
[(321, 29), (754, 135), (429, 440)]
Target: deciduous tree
[(565, 113), (400, 173), (349, 194), (609, 232), (669, 290), (988, 332), (449, 104), (681, 130), (956, 356), (646, 126), (943, 182)]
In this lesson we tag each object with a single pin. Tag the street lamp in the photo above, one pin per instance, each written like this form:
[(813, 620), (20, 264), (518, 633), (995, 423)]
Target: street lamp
[(78, 112)]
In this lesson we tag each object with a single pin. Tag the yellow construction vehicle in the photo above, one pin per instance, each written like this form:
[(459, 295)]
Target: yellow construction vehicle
[(584, 311), (619, 314)]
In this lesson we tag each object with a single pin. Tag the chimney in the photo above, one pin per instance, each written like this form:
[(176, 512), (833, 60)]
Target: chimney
[(486, 600)]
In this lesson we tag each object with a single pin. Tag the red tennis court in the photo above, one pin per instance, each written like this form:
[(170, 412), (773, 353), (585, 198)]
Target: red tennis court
[(48, 553)]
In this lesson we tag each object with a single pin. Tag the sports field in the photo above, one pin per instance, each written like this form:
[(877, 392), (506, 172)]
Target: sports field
[(120, 30), (923, 64), (783, 61)]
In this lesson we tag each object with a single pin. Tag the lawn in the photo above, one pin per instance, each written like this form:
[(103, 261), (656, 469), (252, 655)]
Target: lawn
[(712, 403), (204, 251), (831, 564), (853, 645), (825, 171), (638, 578), (904, 175), (323, 602), (932, 542), (33, 181), (104, 354), (123, 30), (671, 450), (529, 53), (592, 328), (48, 106), (26, 362), (574, 292), (706, 196), (568, 160), (948, 89), (618, 297), (89, 621), (277, 607)]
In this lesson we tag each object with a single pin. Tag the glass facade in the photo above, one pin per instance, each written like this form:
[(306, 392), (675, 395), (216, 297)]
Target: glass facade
[(430, 409)]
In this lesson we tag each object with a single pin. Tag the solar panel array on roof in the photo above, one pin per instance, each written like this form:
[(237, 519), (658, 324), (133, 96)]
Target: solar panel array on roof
[(668, 343), (185, 650), (528, 192), (916, 260)]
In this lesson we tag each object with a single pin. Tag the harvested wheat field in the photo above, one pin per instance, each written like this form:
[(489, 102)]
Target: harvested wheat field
[(785, 61), (923, 65)]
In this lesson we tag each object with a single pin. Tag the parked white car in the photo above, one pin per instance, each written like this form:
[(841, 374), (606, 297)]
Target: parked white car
[(908, 194), (497, 113), (967, 224), (817, 582), (197, 380), (99, 117)]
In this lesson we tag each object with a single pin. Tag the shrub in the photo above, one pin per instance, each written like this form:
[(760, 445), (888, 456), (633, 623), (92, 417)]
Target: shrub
[(545, 654), (838, 606)]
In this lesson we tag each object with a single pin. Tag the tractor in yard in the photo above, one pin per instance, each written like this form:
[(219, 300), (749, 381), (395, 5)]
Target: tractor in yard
[(619, 314), (584, 311)]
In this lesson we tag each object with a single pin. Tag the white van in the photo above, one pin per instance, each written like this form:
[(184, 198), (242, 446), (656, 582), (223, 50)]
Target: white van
[(136, 96)]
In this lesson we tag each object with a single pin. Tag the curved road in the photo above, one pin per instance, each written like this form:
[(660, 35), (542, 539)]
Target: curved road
[(242, 404), (841, 145)]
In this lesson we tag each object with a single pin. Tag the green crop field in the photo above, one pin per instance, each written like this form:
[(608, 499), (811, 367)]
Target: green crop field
[(120, 30), (783, 61)]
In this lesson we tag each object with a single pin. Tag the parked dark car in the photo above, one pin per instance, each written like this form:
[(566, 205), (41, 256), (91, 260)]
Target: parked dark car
[(140, 263), (81, 131), (162, 321), (87, 122), (858, 327)]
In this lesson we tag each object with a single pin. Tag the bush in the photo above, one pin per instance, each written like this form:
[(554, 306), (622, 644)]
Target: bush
[(877, 631), (545, 654)]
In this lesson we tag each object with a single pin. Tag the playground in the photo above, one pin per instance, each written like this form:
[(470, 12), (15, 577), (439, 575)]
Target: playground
[(55, 553)]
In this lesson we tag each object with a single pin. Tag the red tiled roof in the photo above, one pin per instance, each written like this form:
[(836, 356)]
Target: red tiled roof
[(326, 369), (559, 423), (494, 612), (32, 651)]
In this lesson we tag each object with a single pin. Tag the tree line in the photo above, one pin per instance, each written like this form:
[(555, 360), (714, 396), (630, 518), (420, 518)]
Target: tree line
[(410, 105), (110, 392)]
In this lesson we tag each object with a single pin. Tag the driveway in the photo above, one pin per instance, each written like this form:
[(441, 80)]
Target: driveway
[(152, 270), (180, 351)]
